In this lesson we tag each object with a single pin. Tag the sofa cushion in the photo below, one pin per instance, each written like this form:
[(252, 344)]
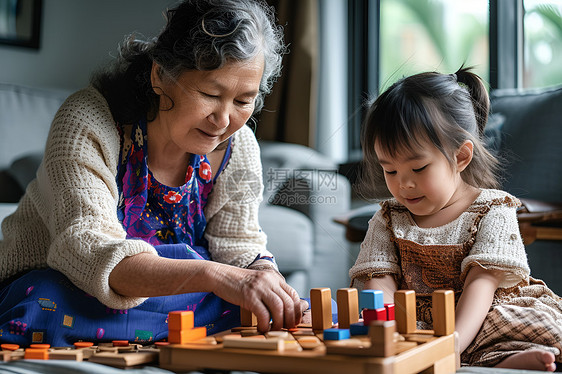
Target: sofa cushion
[(291, 229), (24, 169), (530, 141), (10, 189), (26, 115)]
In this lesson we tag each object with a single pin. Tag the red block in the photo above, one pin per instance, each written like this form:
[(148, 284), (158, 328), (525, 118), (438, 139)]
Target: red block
[(389, 312), (373, 315)]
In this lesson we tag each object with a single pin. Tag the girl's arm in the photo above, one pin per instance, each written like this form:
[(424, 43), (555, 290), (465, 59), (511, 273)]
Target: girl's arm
[(474, 303), (387, 284)]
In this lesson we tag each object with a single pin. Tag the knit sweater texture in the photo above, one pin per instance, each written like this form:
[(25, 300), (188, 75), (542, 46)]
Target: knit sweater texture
[(67, 219)]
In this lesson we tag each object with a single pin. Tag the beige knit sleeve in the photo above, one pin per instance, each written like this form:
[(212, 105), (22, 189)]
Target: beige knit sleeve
[(378, 255), (499, 245), (233, 231), (76, 195)]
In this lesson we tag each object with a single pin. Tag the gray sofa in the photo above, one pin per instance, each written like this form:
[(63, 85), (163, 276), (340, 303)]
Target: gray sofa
[(525, 129), (302, 190)]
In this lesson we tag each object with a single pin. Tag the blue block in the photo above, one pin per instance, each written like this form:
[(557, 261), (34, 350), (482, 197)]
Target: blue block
[(371, 299), (336, 334), (358, 329)]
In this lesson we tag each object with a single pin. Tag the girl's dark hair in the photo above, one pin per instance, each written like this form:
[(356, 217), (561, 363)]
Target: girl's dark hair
[(199, 35), (446, 109)]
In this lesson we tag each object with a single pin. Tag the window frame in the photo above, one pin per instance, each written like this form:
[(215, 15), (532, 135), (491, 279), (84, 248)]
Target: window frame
[(505, 51)]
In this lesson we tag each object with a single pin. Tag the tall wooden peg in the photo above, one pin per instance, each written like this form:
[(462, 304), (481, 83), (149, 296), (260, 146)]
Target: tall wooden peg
[(443, 310), (348, 307), (405, 311), (247, 318), (381, 334), (321, 308)]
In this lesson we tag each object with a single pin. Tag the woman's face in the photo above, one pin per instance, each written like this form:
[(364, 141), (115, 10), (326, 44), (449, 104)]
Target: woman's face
[(208, 106)]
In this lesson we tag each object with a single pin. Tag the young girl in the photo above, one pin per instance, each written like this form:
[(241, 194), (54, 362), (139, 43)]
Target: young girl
[(447, 227)]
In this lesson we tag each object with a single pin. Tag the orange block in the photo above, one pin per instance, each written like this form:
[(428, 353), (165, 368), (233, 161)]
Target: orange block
[(9, 347), (180, 320), (79, 345), (184, 336), (40, 346), (120, 343), (36, 354)]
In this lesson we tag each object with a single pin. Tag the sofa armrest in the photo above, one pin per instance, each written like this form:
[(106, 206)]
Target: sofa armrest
[(306, 181)]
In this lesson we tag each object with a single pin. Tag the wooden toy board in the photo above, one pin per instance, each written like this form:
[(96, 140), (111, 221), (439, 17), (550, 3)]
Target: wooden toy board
[(418, 352), (105, 353)]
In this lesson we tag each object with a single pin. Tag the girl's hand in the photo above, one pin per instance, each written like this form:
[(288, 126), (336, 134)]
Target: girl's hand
[(264, 293)]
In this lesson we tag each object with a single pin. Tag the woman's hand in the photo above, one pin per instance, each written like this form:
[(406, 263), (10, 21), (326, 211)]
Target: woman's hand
[(263, 292)]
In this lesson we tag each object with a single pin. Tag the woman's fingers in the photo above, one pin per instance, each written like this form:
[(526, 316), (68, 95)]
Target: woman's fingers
[(270, 298)]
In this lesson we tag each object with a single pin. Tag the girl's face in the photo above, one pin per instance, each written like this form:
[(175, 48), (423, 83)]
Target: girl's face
[(422, 180), (208, 106)]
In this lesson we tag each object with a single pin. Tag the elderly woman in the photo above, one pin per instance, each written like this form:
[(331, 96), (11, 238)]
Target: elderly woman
[(147, 197)]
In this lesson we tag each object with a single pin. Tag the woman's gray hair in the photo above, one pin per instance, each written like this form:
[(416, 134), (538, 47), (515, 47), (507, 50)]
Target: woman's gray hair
[(220, 31), (199, 35)]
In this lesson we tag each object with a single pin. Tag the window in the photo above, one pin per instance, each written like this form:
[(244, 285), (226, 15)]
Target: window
[(427, 35), (542, 43), (510, 44)]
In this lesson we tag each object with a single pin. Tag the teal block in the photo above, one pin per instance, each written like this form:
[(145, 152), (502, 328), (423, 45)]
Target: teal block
[(336, 334), (371, 299)]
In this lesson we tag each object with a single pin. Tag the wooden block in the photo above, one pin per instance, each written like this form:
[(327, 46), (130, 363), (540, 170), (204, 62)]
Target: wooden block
[(444, 365), (247, 318), (278, 335), (40, 346), (321, 300), (67, 354), (309, 342), (336, 334), (389, 312), (371, 299), (381, 334), (405, 311), (254, 343), (79, 345), (370, 315), (250, 332), (243, 328), (184, 336), (120, 343), (348, 307), (107, 349), (124, 359), (180, 320), (36, 354), (5, 356), (9, 347), (358, 328), (17, 355), (443, 310)]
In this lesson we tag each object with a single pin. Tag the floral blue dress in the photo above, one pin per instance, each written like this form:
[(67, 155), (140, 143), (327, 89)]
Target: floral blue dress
[(43, 306)]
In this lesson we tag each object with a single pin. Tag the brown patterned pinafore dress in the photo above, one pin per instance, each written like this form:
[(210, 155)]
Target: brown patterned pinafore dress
[(526, 316)]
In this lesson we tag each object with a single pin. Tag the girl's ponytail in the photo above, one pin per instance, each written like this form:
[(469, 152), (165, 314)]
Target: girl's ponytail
[(478, 94)]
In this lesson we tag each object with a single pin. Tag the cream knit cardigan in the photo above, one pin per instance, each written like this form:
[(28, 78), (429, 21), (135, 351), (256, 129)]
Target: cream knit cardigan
[(67, 219)]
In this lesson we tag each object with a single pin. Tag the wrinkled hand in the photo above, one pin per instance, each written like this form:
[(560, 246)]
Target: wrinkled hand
[(264, 293)]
